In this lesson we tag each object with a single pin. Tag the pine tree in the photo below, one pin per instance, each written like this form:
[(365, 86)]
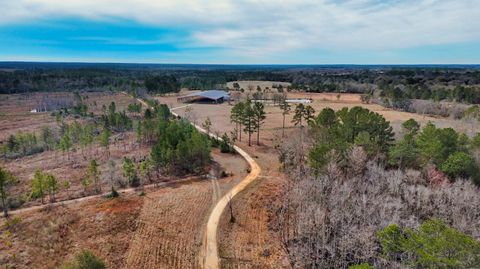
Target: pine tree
[(236, 116), (260, 115), (6, 180), (129, 172), (105, 140), (298, 115), (39, 185), (94, 175), (285, 107), (249, 121), (51, 183)]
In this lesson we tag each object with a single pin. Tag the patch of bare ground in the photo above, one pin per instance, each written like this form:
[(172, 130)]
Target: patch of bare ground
[(169, 231), (234, 166), (48, 238)]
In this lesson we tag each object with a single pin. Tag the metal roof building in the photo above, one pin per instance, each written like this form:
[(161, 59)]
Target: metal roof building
[(211, 96)]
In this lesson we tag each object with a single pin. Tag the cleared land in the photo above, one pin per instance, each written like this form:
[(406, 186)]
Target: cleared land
[(15, 115), (162, 229), (248, 242), (47, 238), (71, 166), (220, 114), (245, 84)]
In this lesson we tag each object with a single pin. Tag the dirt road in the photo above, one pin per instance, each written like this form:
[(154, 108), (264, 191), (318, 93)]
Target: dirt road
[(210, 248), (211, 260)]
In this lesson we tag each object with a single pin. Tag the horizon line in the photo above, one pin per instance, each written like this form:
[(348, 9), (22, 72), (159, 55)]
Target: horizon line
[(237, 64)]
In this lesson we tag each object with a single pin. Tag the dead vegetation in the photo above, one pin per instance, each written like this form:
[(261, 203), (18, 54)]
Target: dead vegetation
[(330, 220)]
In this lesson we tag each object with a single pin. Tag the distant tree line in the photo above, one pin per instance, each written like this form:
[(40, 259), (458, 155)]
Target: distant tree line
[(162, 84)]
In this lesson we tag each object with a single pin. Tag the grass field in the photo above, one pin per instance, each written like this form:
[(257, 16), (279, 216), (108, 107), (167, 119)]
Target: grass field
[(245, 84)]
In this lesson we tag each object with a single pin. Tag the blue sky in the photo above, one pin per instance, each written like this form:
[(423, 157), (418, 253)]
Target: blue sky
[(242, 31)]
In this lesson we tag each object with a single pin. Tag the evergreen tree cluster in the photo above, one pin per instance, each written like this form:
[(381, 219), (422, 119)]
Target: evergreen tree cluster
[(433, 245), (177, 146), (461, 94), (116, 121), (248, 117), (62, 137), (444, 149), (338, 131)]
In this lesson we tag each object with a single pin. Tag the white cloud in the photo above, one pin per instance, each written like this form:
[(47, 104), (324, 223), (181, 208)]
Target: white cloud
[(259, 27)]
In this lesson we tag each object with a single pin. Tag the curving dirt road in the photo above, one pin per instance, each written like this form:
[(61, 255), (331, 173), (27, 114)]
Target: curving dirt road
[(211, 260), (210, 247)]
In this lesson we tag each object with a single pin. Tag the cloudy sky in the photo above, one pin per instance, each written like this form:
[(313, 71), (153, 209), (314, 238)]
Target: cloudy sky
[(242, 31)]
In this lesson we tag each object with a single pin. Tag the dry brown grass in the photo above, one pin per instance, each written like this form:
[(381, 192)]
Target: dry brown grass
[(249, 242), (15, 115), (219, 114), (72, 166), (48, 238), (163, 229), (245, 84), (171, 223)]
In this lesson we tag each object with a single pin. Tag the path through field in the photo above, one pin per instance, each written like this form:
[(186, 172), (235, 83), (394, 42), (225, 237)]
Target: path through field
[(212, 260), (210, 248)]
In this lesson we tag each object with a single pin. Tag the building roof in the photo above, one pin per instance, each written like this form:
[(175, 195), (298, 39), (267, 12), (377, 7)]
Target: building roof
[(211, 94)]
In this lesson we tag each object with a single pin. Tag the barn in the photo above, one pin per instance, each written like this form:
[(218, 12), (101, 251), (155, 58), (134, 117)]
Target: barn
[(211, 96)]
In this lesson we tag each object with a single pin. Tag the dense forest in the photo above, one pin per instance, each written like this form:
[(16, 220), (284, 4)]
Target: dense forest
[(392, 85)]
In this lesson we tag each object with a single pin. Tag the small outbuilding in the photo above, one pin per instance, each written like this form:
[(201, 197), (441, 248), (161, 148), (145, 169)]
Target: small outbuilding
[(211, 96)]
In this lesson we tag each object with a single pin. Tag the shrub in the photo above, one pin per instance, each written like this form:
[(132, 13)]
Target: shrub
[(361, 266), (85, 260), (433, 245), (459, 164), (226, 145)]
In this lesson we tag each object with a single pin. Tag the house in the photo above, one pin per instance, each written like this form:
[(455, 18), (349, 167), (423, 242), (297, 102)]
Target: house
[(211, 96)]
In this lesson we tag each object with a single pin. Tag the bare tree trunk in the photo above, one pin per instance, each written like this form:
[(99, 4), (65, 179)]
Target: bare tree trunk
[(5, 209), (258, 134), (232, 217), (240, 130)]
